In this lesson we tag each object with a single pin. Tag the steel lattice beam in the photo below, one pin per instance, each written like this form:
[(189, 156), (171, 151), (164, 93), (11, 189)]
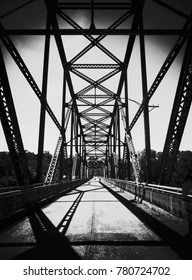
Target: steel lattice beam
[(165, 67), (94, 129), (11, 128), (25, 71), (100, 6), (43, 106), (181, 106), (135, 25), (53, 21), (84, 32)]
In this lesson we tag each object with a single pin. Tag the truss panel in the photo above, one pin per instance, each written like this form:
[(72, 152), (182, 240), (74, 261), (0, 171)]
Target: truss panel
[(11, 128), (95, 85)]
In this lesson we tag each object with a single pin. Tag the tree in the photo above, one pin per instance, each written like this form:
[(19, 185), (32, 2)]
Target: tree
[(155, 162), (183, 169), (7, 174)]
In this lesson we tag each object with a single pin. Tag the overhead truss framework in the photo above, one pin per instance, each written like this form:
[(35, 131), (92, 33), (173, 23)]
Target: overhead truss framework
[(96, 115)]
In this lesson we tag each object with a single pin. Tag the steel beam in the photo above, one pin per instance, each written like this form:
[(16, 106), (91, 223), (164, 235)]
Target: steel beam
[(43, 106), (126, 155), (62, 156), (119, 143), (94, 66), (174, 10), (51, 8), (180, 111), (25, 71), (16, 9), (71, 145), (128, 53), (82, 120), (100, 32), (101, 37), (94, 42), (146, 109), (11, 128), (162, 72), (95, 5)]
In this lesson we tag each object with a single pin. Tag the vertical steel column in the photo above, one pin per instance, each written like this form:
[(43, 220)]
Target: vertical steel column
[(115, 143), (83, 159), (128, 164), (78, 152), (92, 15), (80, 157), (114, 132), (43, 105), (119, 144), (107, 160), (146, 111), (76, 133), (11, 128), (76, 129), (52, 9), (110, 155), (71, 145), (61, 166), (180, 111), (112, 144)]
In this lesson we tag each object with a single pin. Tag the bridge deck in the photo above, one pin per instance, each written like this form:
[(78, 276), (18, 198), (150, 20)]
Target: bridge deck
[(94, 222)]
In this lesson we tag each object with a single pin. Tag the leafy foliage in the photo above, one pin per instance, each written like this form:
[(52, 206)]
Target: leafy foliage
[(182, 171), (155, 162), (7, 174)]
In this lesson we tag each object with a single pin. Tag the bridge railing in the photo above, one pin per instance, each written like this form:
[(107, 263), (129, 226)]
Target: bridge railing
[(15, 199), (168, 198)]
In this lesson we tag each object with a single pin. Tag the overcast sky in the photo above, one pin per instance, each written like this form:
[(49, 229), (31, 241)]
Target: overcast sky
[(31, 49)]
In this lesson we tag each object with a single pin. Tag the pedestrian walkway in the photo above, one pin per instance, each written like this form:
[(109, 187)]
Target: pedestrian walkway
[(91, 222)]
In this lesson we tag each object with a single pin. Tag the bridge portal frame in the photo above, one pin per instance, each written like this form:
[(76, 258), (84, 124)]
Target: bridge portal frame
[(182, 100)]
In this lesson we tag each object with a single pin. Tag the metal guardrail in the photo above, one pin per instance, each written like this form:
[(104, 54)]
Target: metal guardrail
[(159, 188), (163, 189), (170, 199), (14, 199)]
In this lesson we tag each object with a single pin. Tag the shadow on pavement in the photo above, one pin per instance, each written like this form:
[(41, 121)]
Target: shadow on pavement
[(51, 244), (180, 244)]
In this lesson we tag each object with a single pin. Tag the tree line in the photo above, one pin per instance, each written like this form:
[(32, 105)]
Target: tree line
[(182, 170), (7, 173)]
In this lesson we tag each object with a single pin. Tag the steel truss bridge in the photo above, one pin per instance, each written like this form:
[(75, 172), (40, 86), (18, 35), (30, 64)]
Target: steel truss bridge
[(93, 113), (94, 129)]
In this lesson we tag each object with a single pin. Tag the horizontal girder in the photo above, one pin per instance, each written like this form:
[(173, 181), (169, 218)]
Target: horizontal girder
[(122, 31), (94, 66), (96, 130), (100, 6)]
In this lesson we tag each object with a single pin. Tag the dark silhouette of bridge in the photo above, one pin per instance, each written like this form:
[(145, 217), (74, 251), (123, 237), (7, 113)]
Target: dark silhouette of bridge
[(92, 204)]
